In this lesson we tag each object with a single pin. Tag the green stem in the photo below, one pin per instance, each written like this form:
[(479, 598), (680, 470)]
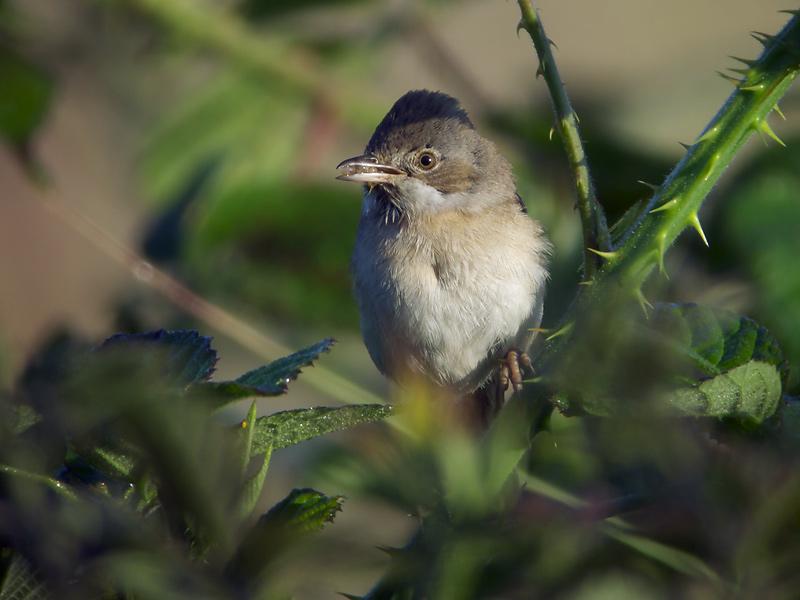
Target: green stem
[(676, 203), (59, 487), (593, 219)]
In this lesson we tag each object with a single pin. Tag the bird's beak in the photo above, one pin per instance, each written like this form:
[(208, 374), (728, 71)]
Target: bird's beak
[(367, 169)]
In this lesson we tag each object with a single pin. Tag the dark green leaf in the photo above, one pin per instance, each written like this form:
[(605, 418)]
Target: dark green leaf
[(291, 427), (716, 340), (24, 97), (186, 356), (303, 510), (272, 379), (24, 418), (750, 393)]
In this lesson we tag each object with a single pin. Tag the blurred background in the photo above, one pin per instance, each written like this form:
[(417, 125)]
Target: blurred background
[(203, 135)]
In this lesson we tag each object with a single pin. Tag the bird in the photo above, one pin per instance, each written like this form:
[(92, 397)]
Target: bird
[(449, 269)]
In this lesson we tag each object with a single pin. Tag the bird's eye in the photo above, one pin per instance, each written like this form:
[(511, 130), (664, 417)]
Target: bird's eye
[(426, 160)]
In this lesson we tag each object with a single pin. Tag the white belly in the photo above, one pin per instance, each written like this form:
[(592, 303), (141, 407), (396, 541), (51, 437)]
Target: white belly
[(448, 303)]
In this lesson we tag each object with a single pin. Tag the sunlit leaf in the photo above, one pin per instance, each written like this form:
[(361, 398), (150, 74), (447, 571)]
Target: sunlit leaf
[(272, 379), (290, 427), (750, 392)]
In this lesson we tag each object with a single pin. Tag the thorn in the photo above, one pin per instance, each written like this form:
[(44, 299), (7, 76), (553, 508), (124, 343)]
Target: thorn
[(778, 110), (756, 87), (539, 330), (794, 11), (734, 80), (709, 133), (712, 165), (602, 254), (666, 206), (694, 221), (685, 146), (742, 71), (646, 184), (561, 332), (764, 127), (589, 282), (747, 62), (390, 550), (761, 37), (540, 70), (577, 118), (521, 25), (643, 302), (550, 134), (552, 43)]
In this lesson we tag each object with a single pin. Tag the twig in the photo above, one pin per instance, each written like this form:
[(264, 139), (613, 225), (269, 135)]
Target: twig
[(593, 219)]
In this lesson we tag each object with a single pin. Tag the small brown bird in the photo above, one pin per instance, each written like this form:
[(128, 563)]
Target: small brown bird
[(449, 268)]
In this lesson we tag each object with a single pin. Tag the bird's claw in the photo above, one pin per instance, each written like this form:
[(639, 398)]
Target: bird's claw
[(511, 369)]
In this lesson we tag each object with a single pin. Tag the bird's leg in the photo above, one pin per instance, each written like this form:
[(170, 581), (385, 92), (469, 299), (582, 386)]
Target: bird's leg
[(511, 368)]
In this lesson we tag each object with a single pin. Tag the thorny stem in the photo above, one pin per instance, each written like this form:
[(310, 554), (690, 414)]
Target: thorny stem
[(675, 204), (593, 219)]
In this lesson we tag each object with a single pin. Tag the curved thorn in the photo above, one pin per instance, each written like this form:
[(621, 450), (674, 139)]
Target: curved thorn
[(590, 282), (602, 254), (745, 61), (666, 206), (793, 11), (726, 77), (661, 251), (694, 221), (646, 184), (685, 146), (643, 302), (550, 133), (708, 134), (539, 330), (561, 332), (756, 87), (761, 37), (778, 110), (521, 26), (552, 43), (764, 127)]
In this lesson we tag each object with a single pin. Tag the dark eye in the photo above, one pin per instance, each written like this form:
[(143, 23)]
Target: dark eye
[(426, 160)]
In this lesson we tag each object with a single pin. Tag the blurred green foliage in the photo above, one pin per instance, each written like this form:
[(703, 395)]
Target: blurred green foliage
[(120, 478)]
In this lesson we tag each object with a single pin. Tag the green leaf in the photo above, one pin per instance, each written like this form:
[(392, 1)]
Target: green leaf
[(186, 356), (21, 583), (303, 510), (24, 418), (290, 427), (25, 93), (716, 340), (272, 379), (749, 392), (253, 486)]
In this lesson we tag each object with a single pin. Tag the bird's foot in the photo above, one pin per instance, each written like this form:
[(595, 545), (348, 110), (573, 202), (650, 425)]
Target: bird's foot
[(511, 369)]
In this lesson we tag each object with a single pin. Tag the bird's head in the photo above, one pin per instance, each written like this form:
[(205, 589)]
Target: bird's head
[(426, 156)]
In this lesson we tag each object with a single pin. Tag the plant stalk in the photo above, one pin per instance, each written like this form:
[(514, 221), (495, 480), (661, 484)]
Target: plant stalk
[(593, 219)]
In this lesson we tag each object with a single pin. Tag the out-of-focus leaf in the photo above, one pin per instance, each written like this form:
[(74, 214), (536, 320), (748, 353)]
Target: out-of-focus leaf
[(25, 417), (187, 356), (303, 511), (257, 232), (256, 133), (263, 9), (21, 583), (24, 97), (716, 340), (272, 379), (750, 393), (758, 231), (253, 486), (290, 427)]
